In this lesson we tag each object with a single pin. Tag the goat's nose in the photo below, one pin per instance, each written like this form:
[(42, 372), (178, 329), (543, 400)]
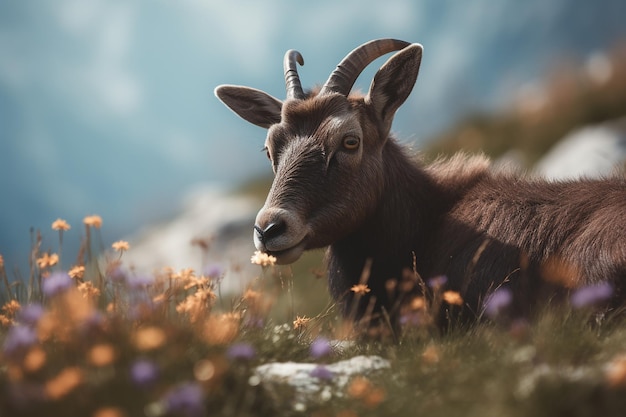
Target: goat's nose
[(270, 231)]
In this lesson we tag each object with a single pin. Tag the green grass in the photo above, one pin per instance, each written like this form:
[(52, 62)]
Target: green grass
[(82, 353)]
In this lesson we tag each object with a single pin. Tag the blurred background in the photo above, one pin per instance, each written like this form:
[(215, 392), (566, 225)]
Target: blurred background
[(107, 107)]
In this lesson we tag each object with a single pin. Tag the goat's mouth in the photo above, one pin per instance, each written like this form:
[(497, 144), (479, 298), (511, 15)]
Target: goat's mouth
[(280, 233), (287, 256)]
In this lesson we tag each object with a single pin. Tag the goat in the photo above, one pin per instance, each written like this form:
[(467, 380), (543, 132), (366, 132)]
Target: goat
[(342, 181)]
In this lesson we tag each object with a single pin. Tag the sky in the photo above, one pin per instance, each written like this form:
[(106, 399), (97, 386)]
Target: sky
[(107, 107)]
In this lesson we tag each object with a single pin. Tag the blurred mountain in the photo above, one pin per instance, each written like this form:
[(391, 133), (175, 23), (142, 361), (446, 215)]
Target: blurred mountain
[(565, 99), (106, 106), (591, 152), (212, 232)]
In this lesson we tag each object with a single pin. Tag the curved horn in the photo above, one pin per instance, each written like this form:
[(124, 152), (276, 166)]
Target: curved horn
[(343, 77), (292, 80)]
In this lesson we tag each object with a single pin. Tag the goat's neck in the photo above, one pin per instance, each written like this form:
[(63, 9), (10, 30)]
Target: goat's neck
[(407, 198), (389, 237)]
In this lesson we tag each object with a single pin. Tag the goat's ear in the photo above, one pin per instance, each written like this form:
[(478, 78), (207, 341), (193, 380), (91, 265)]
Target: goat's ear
[(254, 106), (393, 83)]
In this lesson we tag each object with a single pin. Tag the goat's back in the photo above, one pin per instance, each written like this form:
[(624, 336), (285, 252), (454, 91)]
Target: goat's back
[(533, 235)]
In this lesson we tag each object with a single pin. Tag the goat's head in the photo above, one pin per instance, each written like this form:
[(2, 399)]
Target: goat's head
[(325, 148)]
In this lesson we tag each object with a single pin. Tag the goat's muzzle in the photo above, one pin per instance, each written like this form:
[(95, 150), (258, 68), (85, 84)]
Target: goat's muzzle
[(280, 233)]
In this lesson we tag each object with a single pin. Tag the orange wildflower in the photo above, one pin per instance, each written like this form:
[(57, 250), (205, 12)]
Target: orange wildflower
[(359, 387), (375, 397), (205, 294), (251, 295), (160, 298), (149, 338), (193, 281), (34, 359), (204, 370), (418, 303), (196, 304), (300, 322), (187, 273), (109, 412), (11, 307), (47, 260), (65, 382), (120, 246), (362, 389), (93, 221), (430, 354), (221, 329), (263, 259), (88, 291), (76, 272), (615, 371), (60, 224), (101, 355), (256, 302), (360, 289), (453, 297), (5, 321)]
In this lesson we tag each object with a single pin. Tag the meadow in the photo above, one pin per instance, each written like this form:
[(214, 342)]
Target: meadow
[(95, 338), (86, 335)]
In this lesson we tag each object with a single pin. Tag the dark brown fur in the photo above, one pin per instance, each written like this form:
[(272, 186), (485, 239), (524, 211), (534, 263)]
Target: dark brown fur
[(482, 229), (458, 217)]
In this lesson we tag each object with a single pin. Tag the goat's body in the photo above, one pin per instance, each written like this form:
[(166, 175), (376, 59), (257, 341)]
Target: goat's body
[(342, 182), (480, 228)]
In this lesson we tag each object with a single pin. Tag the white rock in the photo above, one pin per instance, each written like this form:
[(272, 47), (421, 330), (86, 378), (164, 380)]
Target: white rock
[(591, 152), (308, 388)]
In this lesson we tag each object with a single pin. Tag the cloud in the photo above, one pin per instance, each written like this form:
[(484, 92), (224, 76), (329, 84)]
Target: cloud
[(79, 16), (102, 35), (242, 31)]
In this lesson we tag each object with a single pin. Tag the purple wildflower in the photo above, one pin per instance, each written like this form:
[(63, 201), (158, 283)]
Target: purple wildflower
[(322, 372), (92, 324), (186, 399), (95, 320), (320, 347), (139, 281), (497, 301), (117, 275), (253, 322), (412, 319), (241, 351), (214, 271), (56, 283), (19, 338), (30, 314), (144, 372), (437, 282), (591, 294)]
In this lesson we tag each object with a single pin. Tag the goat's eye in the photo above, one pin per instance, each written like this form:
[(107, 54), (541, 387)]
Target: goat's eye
[(351, 143)]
